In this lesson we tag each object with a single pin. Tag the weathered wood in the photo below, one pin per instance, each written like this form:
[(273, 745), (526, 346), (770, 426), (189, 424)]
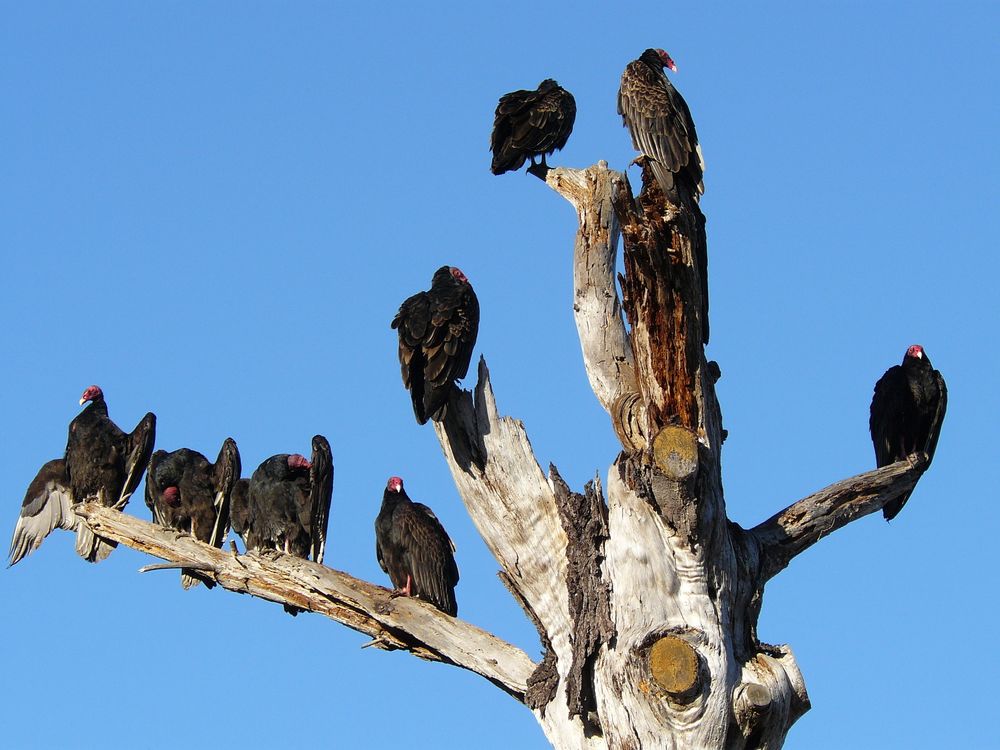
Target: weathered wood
[(392, 622), (804, 523), (607, 353)]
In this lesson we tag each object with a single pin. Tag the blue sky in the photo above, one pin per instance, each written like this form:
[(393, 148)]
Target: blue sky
[(214, 213)]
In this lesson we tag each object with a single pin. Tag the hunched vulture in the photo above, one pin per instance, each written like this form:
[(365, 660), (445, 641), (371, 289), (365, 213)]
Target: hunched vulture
[(529, 124), (660, 123), (101, 464), (437, 333), (906, 414), (415, 550), (288, 503), (186, 492), (285, 506)]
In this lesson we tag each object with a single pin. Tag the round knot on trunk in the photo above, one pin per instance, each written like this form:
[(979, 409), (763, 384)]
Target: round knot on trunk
[(675, 452), (673, 663)]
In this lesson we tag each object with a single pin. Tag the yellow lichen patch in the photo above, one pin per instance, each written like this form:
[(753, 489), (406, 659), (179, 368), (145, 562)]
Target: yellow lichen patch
[(673, 662), (675, 451)]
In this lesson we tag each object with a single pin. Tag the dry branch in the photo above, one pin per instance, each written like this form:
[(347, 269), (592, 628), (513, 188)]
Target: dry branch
[(804, 523), (391, 622)]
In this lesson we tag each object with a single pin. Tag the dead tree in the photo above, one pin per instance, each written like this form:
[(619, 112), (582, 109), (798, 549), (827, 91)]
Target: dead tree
[(645, 595)]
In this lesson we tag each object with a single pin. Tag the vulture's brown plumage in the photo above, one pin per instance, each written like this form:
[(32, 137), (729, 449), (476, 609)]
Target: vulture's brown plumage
[(529, 124), (660, 123), (414, 549), (437, 333)]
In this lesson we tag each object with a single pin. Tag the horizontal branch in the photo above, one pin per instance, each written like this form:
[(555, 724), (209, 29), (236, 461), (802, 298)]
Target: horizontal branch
[(804, 523), (392, 622)]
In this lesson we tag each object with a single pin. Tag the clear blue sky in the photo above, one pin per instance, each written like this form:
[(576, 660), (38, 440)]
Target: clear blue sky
[(214, 212)]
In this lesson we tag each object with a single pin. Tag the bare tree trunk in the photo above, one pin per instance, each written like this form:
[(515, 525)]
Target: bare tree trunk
[(646, 601)]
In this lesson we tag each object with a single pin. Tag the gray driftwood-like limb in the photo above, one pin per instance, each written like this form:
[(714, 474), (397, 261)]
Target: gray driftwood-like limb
[(391, 622), (607, 353), (804, 523)]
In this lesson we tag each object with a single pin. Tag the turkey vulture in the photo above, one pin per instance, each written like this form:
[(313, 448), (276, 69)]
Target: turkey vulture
[(529, 124), (661, 126), (186, 492), (102, 463), (414, 549), (288, 502), (437, 332), (906, 414)]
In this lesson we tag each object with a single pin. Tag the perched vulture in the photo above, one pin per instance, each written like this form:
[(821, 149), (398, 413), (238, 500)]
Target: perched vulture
[(906, 414), (186, 492), (414, 549), (529, 124), (102, 464), (288, 502), (661, 126), (437, 332)]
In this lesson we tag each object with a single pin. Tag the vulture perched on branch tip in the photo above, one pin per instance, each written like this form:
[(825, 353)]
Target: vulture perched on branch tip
[(906, 414), (101, 464)]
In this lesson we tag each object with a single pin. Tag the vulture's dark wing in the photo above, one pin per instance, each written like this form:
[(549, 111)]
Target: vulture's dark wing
[(320, 494), (152, 487), (226, 473), (431, 557), (530, 123), (48, 505), (660, 124), (938, 417), (887, 415), (436, 338), (139, 448), (510, 121)]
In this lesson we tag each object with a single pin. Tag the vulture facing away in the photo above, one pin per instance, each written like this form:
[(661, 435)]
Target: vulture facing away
[(529, 124), (415, 550), (437, 333), (186, 492), (906, 414), (660, 123), (102, 464)]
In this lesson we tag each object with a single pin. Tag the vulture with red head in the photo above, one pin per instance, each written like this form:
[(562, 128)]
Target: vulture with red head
[(906, 414), (437, 333), (660, 123), (288, 503), (186, 492), (101, 464), (414, 549), (529, 124)]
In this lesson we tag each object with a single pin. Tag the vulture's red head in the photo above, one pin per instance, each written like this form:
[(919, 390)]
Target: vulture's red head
[(916, 351), (172, 496), (667, 60), (459, 276), (395, 484), (298, 461), (91, 394)]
